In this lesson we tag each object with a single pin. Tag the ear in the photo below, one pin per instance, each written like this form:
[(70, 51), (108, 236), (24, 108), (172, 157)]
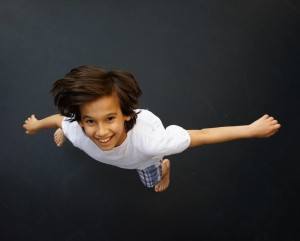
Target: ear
[(127, 118)]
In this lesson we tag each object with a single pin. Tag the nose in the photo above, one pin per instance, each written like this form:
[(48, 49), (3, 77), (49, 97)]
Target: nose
[(101, 132)]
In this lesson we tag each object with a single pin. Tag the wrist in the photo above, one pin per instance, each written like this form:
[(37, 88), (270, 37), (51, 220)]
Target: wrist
[(39, 125), (250, 131)]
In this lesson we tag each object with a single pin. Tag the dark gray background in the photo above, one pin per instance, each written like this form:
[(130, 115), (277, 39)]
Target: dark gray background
[(200, 64)]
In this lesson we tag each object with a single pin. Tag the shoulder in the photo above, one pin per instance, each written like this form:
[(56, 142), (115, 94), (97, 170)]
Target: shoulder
[(72, 130), (147, 118), (148, 129)]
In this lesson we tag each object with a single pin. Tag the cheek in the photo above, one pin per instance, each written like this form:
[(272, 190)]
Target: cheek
[(88, 130), (116, 127)]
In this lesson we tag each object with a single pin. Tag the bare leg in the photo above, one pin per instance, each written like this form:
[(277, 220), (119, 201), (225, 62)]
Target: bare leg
[(165, 181), (59, 137)]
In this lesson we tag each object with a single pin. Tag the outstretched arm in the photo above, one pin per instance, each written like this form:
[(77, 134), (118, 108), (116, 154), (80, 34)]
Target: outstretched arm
[(33, 125), (265, 126)]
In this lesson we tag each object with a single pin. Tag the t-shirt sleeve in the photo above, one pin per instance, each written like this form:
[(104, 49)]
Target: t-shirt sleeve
[(72, 130), (172, 140)]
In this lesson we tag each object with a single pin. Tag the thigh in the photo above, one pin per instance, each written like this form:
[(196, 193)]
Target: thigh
[(151, 175)]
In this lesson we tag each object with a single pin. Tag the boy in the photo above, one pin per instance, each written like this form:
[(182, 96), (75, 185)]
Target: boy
[(99, 115)]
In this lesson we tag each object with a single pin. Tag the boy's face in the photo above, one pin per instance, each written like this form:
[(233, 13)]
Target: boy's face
[(103, 120)]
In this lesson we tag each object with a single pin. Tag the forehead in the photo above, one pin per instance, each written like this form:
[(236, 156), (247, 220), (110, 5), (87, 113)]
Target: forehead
[(101, 107)]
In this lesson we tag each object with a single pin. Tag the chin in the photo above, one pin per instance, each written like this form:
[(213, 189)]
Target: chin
[(105, 149)]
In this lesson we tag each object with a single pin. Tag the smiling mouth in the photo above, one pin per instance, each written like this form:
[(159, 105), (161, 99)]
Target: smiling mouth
[(105, 140)]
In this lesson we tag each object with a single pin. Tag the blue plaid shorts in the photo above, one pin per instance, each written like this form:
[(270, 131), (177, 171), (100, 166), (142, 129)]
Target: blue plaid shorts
[(151, 175)]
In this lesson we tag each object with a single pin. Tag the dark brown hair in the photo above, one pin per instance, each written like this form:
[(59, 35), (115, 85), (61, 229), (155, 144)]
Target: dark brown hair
[(87, 83)]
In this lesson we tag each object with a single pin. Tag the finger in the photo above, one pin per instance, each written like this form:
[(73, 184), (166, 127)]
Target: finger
[(271, 134), (274, 132), (265, 116), (278, 126), (274, 122), (270, 118)]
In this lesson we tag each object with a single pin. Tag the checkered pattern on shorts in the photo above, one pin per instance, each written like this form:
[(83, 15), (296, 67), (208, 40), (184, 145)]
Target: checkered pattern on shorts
[(151, 175)]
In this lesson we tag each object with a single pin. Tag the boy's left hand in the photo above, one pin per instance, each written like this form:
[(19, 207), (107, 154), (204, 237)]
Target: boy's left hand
[(265, 126)]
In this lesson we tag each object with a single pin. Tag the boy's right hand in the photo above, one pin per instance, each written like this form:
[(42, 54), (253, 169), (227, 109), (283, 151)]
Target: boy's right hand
[(31, 125)]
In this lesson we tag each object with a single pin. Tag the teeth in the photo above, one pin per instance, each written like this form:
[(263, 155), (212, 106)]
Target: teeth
[(106, 140)]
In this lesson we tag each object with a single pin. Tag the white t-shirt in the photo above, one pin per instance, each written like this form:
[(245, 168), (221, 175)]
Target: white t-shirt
[(146, 143)]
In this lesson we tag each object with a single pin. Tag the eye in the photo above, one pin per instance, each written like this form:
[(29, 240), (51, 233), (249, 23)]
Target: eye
[(89, 121), (111, 118)]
